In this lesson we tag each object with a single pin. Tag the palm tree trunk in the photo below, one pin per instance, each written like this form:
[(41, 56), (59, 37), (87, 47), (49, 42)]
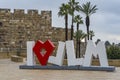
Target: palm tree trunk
[(88, 33), (90, 37), (77, 44), (87, 25), (77, 48), (66, 27), (77, 27), (66, 32), (72, 28)]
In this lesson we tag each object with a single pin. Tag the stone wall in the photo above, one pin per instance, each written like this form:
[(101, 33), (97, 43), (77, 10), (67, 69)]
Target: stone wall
[(18, 27)]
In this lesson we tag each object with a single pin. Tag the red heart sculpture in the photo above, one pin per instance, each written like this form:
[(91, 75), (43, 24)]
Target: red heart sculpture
[(48, 46)]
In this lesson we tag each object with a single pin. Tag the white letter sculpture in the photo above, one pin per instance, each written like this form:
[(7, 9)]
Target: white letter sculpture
[(91, 50), (58, 60), (30, 54), (72, 60), (98, 50)]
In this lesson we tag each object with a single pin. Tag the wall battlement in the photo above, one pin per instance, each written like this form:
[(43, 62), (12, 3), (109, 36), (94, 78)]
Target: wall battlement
[(44, 17), (22, 12)]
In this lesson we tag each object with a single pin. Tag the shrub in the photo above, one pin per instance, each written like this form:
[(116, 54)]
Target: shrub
[(113, 52)]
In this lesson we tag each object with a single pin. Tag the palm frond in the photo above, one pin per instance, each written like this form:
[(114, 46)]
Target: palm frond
[(78, 19), (88, 8), (74, 6), (80, 35), (63, 10)]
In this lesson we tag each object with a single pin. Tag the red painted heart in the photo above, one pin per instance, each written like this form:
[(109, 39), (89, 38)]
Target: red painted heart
[(48, 46)]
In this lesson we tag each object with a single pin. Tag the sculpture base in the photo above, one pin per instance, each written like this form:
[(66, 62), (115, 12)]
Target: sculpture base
[(55, 67)]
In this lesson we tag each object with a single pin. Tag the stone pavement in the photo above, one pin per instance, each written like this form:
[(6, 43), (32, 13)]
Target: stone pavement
[(10, 71)]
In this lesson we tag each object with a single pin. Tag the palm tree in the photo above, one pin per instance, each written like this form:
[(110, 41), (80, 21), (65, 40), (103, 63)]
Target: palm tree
[(91, 33), (80, 35), (77, 20), (74, 6), (88, 9), (64, 11)]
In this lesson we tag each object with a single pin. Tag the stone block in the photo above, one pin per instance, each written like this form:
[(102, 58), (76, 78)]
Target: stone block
[(4, 11), (33, 12), (17, 58), (19, 11)]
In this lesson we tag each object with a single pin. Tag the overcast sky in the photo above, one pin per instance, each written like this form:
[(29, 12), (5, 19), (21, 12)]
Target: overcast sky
[(105, 22)]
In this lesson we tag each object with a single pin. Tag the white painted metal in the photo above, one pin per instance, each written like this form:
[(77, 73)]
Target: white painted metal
[(91, 50), (30, 54), (58, 60), (95, 50), (71, 58)]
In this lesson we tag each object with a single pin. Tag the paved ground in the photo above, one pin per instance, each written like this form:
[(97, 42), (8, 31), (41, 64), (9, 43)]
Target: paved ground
[(10, 71)]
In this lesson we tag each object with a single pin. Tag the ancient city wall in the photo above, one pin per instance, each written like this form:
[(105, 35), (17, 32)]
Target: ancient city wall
[(18, 27)]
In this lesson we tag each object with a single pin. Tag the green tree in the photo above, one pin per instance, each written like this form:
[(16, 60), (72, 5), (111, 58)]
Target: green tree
[(88, 9), (107, 43), (80, 35), (91, 33), (74, 6), (78, 20), (64, 11), (113, 52)]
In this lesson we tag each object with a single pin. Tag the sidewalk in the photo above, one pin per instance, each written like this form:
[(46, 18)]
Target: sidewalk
[(10, 71)]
